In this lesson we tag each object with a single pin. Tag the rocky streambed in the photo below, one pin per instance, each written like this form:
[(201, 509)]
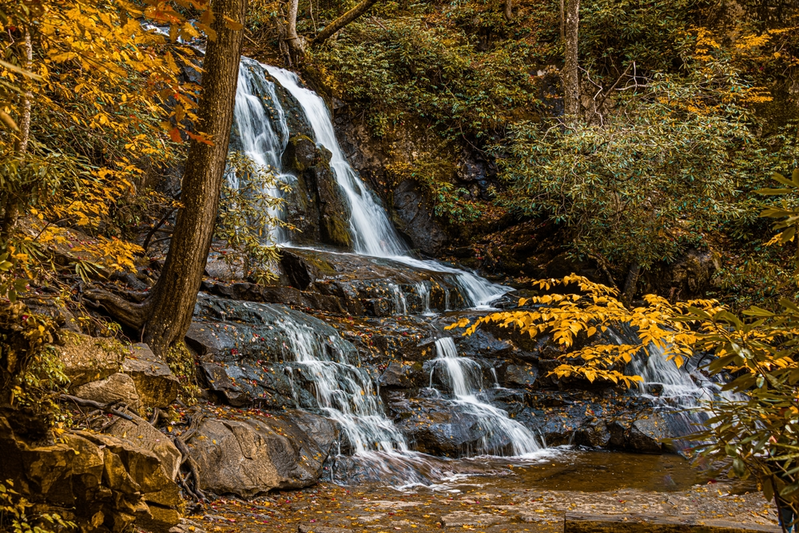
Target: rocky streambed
[(534, 497)]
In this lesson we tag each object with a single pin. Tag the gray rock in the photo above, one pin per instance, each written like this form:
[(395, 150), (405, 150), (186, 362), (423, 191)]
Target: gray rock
[(520, 376), (139, 432), (116, 388), (156, 384), (252, 454), (416, 218)]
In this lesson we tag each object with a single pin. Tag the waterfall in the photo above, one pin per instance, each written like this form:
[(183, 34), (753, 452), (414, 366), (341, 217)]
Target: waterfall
[(464, 378), (677, 393), (423, 290), (263, 137), (373, 233), (343, 391)]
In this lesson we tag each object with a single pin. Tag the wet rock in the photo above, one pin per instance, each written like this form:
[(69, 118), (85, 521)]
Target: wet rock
[(520, 376), (157, 386), (416, 220), (116, 388), (88, 358), (321, 430), (249, 351), (596, 435), (371, 285), (290, 296), (646, 435), (648, 523), (140, 433), (437, 427), (249, 455), (402, 374)]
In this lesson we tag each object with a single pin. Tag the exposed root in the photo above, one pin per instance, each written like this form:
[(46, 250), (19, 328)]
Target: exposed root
[(131, 314)]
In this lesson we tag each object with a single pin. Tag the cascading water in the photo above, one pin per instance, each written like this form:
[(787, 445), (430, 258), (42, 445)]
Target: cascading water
[(679, 394), (370, 227), (263, 136), (464, 378), (344, 392)]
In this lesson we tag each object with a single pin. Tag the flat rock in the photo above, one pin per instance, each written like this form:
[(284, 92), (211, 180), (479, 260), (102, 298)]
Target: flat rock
[(116, 388), (466, 518), (156, 384), (641, 523), (88, 358), (306, 528)]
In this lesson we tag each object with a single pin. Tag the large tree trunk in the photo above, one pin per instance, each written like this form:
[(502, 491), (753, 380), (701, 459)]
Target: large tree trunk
[(570, 74), (10, 201), (171, 305), (343, 20)]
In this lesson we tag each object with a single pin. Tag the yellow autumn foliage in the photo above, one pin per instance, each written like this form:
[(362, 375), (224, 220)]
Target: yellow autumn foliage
[(579, 323)]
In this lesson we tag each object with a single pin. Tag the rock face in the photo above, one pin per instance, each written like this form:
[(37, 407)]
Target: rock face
[(157, 386), (96, 480), (315, 206), (254, 454), (416, 219)]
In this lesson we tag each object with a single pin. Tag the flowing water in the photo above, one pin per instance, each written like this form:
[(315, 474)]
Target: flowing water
[(343, 390), (680, 395), (464, 379), (372, 231)]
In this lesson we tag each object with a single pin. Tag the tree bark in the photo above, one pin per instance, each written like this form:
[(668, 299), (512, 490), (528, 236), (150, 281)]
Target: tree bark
[(509, 9), (571, 75), (342, 21), (631, 284), (293, 40), (11, 201), (171, 305)]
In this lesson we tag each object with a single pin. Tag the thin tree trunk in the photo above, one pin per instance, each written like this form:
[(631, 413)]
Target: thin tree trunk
[(562, 20), (571, 76), (630, 284), (11, 202), (509, 9), (343, 20), (171, 305), (293, 40)]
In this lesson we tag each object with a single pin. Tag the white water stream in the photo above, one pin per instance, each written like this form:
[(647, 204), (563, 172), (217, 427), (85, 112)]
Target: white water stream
[(344, 391), (465, 380)]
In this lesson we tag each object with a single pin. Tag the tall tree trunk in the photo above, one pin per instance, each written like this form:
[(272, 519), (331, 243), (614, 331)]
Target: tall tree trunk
[(293, 40), (343, 20), (172, 302), (571, 75), (509, 9), (10, 201)]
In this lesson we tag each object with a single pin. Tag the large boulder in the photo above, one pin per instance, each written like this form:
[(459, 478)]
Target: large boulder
[(142, 434), (88, 358), (157, 386), (252, 454)]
